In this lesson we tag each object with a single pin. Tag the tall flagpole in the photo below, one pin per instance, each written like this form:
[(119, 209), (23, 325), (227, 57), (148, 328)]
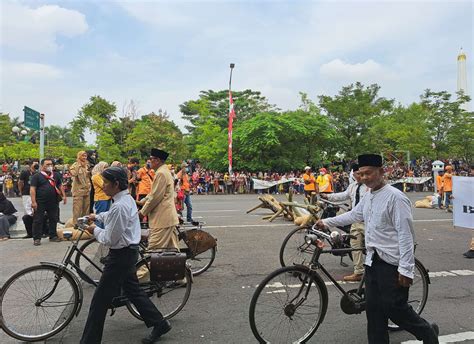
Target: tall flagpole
[(231, 119)]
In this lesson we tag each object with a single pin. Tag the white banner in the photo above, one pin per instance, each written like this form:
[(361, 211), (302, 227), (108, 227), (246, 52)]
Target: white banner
[(463, 202), (264, 184), (410, 180)]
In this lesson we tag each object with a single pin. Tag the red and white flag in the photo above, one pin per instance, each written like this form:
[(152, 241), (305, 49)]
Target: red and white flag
[(231, 122)]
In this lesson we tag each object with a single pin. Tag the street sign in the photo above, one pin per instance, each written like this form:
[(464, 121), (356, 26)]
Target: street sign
[(32, 118)]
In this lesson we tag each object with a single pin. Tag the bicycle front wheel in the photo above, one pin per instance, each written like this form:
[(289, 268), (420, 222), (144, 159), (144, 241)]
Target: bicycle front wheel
[(169, 297), (294, 249), (288, 306), (27, 310), (201, 262), (418, 292)]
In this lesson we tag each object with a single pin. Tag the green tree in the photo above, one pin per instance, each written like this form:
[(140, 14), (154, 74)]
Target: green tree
[(5, 129), (352, 112), (445, 119), (156, 131)]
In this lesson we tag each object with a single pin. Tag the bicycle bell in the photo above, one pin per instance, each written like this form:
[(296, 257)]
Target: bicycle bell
[(336, 238)]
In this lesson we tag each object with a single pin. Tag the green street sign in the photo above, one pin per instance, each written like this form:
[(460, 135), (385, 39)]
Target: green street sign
[(32, 118)]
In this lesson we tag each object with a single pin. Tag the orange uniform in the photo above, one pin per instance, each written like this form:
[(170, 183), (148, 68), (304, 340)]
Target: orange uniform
[(146, 179), (311, 186)]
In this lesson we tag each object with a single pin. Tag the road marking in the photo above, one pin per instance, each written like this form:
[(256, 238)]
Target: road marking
[(246, 226), (433, 220), (217, 210), (452, 273), (449, 338)]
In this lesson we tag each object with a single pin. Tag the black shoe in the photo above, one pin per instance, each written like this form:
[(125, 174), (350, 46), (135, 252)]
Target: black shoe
[(469, 254), (55, 239), (27, 237), (37, 242), (435, 328), (159, 330)]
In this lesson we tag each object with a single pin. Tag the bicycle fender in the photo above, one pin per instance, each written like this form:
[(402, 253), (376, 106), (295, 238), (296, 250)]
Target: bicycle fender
[(73, 276)]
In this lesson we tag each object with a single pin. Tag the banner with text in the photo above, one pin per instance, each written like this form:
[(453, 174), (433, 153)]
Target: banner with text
[(463, 202), (264, 184)]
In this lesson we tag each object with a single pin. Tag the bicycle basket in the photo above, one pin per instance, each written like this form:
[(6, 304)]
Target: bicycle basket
[(199, 241)]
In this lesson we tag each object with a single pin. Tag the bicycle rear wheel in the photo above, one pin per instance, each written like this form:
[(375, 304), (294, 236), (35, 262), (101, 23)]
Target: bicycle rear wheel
[(169, 297), (201, 262), (288, 306), (96, 252), (24, 317), (294, 249), (418, 292)]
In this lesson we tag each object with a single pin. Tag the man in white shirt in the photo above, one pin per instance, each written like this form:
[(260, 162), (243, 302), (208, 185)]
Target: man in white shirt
[(121, 233), (355, 192), (390, 260)]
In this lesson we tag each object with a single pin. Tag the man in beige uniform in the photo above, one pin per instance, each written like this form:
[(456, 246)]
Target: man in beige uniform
[(159, 206), (81, 186)]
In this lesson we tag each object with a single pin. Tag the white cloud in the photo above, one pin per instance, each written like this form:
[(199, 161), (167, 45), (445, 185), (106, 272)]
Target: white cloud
[(366, 71), (157, 14), (15, 71), (29, 29)]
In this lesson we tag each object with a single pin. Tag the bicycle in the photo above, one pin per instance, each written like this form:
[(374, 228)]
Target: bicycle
[(93, 253), (290, 304), (49, 295), (294, 248)]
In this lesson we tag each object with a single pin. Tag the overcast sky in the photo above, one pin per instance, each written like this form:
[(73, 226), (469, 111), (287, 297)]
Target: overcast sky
[(56, 54)]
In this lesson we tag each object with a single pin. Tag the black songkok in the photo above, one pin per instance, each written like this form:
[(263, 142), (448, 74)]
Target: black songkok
[(355, 167), (116, 174), (160, 154), (374, 160)]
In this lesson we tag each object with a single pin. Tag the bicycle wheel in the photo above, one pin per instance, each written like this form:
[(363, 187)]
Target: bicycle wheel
[(418, 293), (294, 249), (288, 306), (24, 317), (96, 252), (201, 262), (169, 297)]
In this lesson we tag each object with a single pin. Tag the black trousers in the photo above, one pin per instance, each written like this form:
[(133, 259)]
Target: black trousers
[(119, 274), (386, 300), (51, 211)]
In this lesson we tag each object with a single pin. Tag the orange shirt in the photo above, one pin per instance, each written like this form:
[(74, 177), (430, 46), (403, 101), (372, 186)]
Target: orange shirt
[(185, 186), (146, 179), (312, 182), (325, 183), (439, 182), (447, 182)]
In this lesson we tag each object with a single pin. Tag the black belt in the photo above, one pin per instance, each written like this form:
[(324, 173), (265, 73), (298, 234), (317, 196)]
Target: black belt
[(130, 247)]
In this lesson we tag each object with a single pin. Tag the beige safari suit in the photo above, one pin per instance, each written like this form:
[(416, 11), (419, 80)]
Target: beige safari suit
[(161, 211), (81, 188)]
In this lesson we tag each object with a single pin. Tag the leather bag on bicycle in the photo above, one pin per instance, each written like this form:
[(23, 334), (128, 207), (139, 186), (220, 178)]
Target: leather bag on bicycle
[(167, 266), (198, 241)]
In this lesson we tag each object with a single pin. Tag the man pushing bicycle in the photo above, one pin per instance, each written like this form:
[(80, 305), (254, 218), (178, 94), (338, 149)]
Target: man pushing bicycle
[(121, 233)]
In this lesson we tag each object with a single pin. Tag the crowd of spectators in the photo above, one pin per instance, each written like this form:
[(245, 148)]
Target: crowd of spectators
[(205, 181)]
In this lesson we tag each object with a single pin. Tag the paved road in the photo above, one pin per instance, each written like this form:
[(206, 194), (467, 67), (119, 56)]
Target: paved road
[(217, 311)]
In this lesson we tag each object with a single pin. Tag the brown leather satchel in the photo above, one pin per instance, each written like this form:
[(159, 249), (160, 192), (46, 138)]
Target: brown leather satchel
[(167, 266), (199, 241)]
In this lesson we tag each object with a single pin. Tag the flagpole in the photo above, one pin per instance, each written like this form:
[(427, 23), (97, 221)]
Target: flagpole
[(231, 119)]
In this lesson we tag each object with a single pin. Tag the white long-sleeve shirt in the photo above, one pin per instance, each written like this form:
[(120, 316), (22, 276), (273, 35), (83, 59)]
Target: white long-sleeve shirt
[(388, 227), (121, 222), (349, 193)]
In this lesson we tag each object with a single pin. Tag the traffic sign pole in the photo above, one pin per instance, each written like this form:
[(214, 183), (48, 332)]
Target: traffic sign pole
[(41, 136)]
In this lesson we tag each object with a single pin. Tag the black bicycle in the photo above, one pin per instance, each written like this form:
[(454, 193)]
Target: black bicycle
[(198, 260), (295, 250), (38, 302), (289, 304)]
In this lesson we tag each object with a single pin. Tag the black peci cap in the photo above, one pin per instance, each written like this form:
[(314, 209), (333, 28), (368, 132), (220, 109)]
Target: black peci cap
[(160, 154), (374, 160)]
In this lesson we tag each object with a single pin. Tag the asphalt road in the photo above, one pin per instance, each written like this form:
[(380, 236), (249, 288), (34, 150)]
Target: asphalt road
[(217, 311)]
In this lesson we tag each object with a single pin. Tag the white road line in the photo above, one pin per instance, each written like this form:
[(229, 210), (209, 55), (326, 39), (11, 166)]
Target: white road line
[(452, 273), (246, 226), (449, 338), (217, 210), (433, 220)]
